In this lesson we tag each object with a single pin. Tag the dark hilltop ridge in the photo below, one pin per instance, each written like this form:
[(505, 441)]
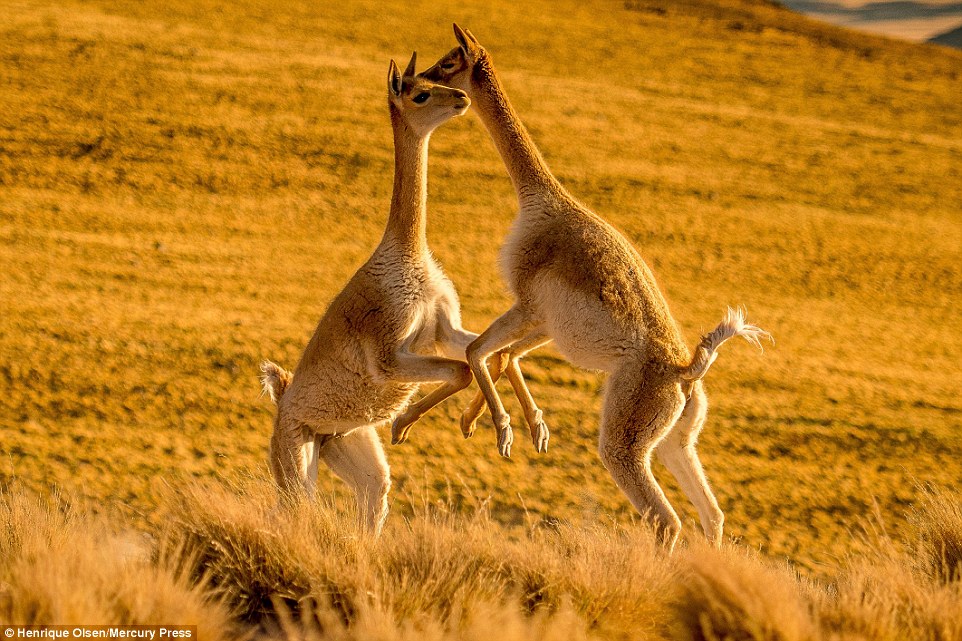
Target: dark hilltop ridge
[(877, 10), (951, 38)]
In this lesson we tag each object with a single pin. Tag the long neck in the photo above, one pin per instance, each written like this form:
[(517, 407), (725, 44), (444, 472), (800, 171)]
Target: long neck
[(532, 179), (407, 223)]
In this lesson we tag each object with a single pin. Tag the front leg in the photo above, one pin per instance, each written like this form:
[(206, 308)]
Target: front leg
[(506, 330), (532, 414), (509, 362), (453, 341), (474, 410), (414, 368)]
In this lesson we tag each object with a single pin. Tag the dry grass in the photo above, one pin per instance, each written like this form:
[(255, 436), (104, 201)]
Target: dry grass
[(184, 185), (226, 559), (939, 523), (61, 565), (434, 567)]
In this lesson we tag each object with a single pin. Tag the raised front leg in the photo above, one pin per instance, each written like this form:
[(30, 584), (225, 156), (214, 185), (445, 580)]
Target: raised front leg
[(533, 416), (508, 329), (453, 342), (509, 362), (474, 410), (414, 368)]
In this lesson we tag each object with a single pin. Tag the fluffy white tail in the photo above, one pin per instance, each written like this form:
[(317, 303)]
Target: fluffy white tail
[(705, 354), (274, 380)]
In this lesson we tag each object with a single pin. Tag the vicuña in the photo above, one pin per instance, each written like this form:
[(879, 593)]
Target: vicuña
[(580, 283), (395, 325)]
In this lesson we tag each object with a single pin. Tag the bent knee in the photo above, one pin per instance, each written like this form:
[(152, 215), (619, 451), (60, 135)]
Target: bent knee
[(612, 454), (625, 449), (463, 376), (474, 352)]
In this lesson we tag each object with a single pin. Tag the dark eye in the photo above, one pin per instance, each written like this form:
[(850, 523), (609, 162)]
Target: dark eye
[(447, 65), (421, 97)]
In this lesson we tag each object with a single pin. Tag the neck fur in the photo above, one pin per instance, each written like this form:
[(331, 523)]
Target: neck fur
[(533, 181), (407, 222)]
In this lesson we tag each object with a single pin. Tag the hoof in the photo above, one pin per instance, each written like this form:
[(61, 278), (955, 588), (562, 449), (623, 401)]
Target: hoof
[(505, 439), (540, 436), (398, 432), (468, 425)]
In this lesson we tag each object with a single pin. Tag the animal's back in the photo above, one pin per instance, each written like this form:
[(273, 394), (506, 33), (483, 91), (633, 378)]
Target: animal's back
[(598, 297)]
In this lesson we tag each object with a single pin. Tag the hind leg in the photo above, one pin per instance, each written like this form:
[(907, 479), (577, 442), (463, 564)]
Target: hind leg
[(640, 408), (358, 459), (677, 452), (293, 457)]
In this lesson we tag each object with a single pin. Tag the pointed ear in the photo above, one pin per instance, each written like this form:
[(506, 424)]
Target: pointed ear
[(461, 35), (473, 39), (409, 72), (469, 43), (394, 79)]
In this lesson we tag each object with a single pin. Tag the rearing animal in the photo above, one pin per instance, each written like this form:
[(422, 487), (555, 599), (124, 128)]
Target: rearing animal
[(580, 283), (395, 325)]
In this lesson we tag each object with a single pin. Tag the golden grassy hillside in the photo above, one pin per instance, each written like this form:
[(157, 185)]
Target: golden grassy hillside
[(185, 185)]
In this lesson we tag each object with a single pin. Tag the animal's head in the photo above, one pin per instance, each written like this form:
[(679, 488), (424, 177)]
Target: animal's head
[(456, 68), (421, 103)]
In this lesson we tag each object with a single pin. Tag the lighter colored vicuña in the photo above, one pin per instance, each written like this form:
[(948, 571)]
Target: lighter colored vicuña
[(395, 325), (580, 283)]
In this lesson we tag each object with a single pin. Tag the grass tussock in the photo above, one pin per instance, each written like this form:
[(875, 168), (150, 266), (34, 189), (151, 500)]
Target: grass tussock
[(226, 559), (734, 595), (436, 568), (939, 522), (883, 593), (61, 565)]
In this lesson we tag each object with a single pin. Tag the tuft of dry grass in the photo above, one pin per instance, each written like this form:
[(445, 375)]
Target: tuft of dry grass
[(61, 565), (734, 595), (313, 564), (258, 556), (938, 520)]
